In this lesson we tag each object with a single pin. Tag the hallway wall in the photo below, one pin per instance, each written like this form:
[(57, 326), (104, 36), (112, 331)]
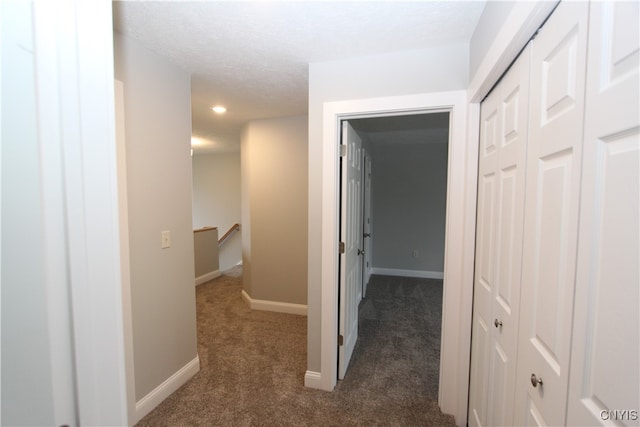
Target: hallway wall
[(216, 200), (157, 105), (274, 209)]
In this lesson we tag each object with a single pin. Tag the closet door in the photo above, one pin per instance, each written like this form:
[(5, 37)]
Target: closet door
[(551, 216), (604, 355), (503, 142), (479, 386)]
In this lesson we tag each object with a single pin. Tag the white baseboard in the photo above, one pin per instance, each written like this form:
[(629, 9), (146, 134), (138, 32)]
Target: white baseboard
[(279, 307), (164, 390), (206, 277), (407, 273), (313, 380)]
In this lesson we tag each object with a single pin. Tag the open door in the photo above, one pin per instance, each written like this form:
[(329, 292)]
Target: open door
[(351, 253), (366, 225)]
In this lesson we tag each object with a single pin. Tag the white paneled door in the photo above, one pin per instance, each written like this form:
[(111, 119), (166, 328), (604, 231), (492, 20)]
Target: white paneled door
[(558, 61), (503, 144), (603, 386), (367, 225), (351, 236)]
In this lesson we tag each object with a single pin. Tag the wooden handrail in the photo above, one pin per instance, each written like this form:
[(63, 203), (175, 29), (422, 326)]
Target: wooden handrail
[(234, 228), (204, 229)]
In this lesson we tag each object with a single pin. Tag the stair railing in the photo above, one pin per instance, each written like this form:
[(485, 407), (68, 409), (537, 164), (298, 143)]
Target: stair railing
[(232, 230)]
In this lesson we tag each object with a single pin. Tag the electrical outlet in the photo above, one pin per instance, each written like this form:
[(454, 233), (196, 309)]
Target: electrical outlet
[(166, 239), (415, 253)]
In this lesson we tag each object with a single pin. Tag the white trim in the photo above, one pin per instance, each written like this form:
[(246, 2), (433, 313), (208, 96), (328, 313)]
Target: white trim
[(208, 276), (312, 379), (407, 273), (276, 306), (458, 270), (52, 198), (164, 390), (74, 41), (125, 267)]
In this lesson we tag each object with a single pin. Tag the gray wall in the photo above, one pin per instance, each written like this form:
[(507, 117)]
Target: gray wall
[(157, 102), (409, 186), (400, 73), (205, 248), (274, 209), (216, 200)]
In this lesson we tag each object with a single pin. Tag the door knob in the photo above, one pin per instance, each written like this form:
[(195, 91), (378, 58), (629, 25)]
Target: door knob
[(366, 235), (535, 380), (360, 251), (497, 323)]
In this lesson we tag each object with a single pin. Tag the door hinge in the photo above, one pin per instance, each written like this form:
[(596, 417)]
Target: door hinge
[(341, 247), (343, 150), (340, 340)]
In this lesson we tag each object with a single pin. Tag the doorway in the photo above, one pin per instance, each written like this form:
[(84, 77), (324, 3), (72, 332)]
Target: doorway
[(394, 172), (459, 238)]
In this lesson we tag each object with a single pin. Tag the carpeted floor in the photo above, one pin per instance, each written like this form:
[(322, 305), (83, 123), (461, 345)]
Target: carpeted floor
[(253, 363)]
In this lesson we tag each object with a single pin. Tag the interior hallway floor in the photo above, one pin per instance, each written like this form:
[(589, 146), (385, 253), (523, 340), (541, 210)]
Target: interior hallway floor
[(253, 363)]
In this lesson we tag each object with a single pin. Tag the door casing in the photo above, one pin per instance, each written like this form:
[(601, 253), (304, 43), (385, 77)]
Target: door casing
[(460, 233)]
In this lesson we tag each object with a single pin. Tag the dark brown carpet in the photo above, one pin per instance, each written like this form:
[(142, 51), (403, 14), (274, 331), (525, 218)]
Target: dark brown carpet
[(253, 363)]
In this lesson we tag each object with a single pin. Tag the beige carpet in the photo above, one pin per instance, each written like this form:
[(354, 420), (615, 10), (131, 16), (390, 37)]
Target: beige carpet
[(253, 365)]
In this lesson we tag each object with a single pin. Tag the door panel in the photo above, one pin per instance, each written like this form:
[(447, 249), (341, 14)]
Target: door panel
[(549, 251), (534, 416), (501, 388), (351, 235), (504, 116), (551, 215), (509, 230), (479, 373), (605, 342), (484, 281)]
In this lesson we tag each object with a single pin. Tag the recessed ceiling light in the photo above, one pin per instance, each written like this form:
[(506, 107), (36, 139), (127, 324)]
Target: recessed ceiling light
[(219, 109)]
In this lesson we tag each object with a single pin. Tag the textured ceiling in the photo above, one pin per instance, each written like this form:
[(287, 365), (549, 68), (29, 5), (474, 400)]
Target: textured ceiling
[(407, 129), (253, 57)]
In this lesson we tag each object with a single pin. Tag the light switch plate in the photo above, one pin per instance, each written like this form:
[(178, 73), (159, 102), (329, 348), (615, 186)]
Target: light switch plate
[(166, 239)]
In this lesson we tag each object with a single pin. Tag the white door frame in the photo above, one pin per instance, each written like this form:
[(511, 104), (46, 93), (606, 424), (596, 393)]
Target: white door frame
[(74, 71), (458, 268)]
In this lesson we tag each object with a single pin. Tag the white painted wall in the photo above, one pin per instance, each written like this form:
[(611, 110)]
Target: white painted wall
[(493, 15), (399, 73), (157, 96), (216, 200), (274, 209), (409, 205), (502, 31)]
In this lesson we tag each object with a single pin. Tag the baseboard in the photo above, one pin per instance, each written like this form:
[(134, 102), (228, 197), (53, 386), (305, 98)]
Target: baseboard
[(206, 277), (164, 390), (279, 307), (313, 380), (407, 273)]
